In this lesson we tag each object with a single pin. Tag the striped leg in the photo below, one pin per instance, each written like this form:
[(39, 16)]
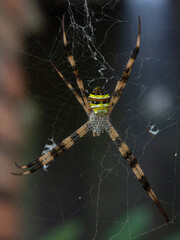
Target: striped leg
[(126, 73), (72, 90), (51, 155), (126, 153), (75, 70)]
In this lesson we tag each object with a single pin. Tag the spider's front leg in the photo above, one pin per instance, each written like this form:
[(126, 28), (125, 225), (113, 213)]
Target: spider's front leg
[(126, 73), (51, 155), (126, 153)]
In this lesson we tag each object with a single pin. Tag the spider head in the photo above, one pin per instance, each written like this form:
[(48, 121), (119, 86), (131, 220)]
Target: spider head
[(99, 100)]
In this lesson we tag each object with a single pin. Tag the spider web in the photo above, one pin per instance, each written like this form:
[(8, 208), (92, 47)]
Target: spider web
[(91, 185)]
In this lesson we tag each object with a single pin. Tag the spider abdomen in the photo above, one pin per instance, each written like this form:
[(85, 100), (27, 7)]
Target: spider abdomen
[(99, 101)]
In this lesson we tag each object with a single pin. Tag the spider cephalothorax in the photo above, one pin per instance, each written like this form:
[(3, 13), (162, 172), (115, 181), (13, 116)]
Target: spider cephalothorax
[(98, 106), (98, 123)]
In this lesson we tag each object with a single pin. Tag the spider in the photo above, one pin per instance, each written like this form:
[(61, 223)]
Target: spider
[(98, 106)]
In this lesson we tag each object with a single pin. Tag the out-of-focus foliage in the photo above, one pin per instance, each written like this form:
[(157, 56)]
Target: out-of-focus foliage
[(133, 226), (128, 227), (71, 230)]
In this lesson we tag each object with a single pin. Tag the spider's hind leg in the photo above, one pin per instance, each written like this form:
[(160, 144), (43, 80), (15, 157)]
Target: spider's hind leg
[(133, 163), (48, 157), (31, 164), (38, 162), (38, 166)]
